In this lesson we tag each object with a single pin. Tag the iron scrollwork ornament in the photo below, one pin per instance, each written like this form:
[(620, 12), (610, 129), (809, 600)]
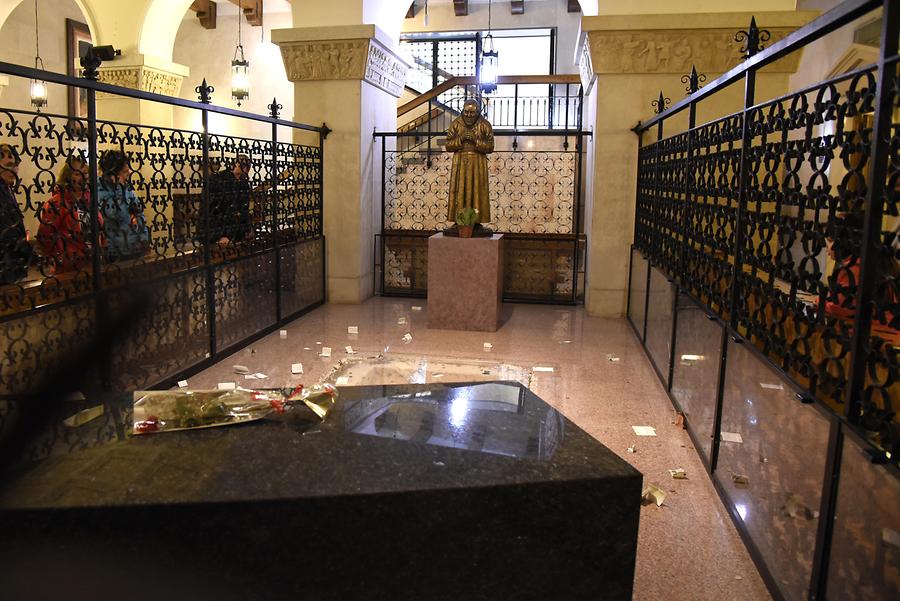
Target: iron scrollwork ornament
[(693, 80), (660, 104), (752, 39)]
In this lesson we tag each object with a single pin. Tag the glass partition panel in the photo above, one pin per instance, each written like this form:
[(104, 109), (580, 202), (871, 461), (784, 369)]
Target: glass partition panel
[(865, 546), (659, 322), (772, 466), (637, 291), (698, 348)]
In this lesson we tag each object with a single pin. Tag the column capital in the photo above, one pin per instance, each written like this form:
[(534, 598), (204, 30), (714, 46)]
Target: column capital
[(352, 52), (143, 72), (658, 44)]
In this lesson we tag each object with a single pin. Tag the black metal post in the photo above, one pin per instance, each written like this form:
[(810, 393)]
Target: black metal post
[(383, 203), (101, 308), (274, 110), (207, 241), (515, 106)]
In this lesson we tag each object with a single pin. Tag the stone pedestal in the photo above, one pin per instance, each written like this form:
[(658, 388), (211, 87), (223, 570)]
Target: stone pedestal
[(465, 283)]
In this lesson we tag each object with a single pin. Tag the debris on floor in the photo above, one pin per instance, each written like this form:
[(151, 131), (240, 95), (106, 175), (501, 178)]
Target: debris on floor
[(543, 369), (326, 351), (795, 508), (485, 372), (241, 369), (256, 376), (778, 386), (182, 383), (438, 375), (342, 381), (488, 346), (407, 338), (631, 449), (653, 494), (306, 348), (678, 474), (353, 329), (401, 321), (83, 417), (612, 358), (565, 342), (740, 480), (349, 350), (282, 333), (679, 420), (416, 308), (644, 430), (890, 538), (225, 386), (732, 437), (296, 368)]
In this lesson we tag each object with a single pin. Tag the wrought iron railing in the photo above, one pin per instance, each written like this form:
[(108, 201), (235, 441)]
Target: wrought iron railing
[(764, 265), (221, 233)]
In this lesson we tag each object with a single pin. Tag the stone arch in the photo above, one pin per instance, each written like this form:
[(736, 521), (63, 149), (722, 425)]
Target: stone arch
[(160, 27), (7, 6)]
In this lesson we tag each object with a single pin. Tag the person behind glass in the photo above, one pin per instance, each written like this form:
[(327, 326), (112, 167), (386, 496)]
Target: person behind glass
[(65, 231), (16, 253), (229, 203), (125, 227)]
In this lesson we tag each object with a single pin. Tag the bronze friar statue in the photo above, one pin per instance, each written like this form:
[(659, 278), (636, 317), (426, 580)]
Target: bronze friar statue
[(470, 138)]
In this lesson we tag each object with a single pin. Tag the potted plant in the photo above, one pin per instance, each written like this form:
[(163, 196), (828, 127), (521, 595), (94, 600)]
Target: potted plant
[(465, 221)]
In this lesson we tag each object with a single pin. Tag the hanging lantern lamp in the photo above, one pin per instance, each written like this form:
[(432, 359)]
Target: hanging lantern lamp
[(240, 70), (38, 86), (490, 60)]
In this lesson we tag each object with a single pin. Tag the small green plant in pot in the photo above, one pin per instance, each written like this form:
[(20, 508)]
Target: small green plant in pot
[(465, 221)]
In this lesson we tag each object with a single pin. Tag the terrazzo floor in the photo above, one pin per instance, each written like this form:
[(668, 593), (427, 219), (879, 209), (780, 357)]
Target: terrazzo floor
[(688, 549)]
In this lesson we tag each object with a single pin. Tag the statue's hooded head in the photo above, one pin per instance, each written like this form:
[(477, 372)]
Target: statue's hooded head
[(471, 111)]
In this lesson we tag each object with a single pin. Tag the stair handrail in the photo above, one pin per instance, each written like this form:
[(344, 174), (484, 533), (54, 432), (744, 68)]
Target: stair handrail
[(472, 80)]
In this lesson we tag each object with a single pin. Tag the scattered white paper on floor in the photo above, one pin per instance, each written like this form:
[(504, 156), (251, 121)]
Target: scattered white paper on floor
[(182, 384), (612, 358), (778, 386), (653, 494), (565, 342), (488, 346), (241, 369), (326, 351), (296, 368), (438, 375), (678, 474), (407, 338), (542, 368), (342, 381), (416, 308), (306, 348), (732, 437), (282, 333), (644, 430), (225, 386), (740, 480), (353, 329), (631, 449), (401, 321), (256, 376), (349, 350)]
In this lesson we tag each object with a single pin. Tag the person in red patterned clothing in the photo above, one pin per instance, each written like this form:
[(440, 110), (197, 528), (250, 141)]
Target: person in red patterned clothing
[(64, 234)]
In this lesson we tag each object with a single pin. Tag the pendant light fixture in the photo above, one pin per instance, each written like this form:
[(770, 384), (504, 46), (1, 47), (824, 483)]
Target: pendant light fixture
[(38, 86), (490, 60), (240, 68)]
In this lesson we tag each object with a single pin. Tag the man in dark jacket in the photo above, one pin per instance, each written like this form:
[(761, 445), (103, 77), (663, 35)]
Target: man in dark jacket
[(229, 203), (15, 252)]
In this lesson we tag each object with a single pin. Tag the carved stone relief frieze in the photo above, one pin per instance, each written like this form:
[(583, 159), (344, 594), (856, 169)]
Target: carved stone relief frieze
[(585, 68), (385, 70), (138, 77), (674, 51)]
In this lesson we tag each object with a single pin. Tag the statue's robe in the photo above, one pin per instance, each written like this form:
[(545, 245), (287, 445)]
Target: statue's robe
[(469, 174)]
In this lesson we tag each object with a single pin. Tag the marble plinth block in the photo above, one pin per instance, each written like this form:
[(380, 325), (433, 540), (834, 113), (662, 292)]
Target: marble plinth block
[(465, 283)]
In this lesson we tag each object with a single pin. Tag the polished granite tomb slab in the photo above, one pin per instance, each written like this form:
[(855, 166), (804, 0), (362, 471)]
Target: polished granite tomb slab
[(457, 491)]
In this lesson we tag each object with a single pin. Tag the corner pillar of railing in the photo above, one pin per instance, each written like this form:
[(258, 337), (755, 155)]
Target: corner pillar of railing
[(274, 113), (204, 94)]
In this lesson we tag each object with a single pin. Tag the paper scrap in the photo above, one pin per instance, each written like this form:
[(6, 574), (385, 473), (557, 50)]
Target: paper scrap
[(778, 386), (326, 351), (83, 417), (256, 376), (485, 372), (296, 368), (438, 375), (241, 369), (282, 333), (488, 346), (631, 449), (318, 343), (342, 381), (740, 480), (306, 348), (542, 368), (182, 384), (612, 358), (349, 350), (353, 329), (795, 508), (407, 338), (401, 321), (226, 386), (653, 494), (732, 437), (678, 474), (890, 537), (416, 308), (644, 430), (565, 342)]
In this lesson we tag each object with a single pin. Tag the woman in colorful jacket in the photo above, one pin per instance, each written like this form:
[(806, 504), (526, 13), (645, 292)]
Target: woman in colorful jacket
[(65, 230), (126, 230)]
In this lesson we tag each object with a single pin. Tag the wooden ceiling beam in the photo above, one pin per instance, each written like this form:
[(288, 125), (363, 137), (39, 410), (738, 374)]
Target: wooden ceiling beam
[(253, 10), (206, 13), (574, 6), (517, 7), (461, 7)]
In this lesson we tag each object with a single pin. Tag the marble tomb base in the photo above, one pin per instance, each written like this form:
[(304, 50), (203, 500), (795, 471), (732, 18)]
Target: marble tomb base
[(465, 283)]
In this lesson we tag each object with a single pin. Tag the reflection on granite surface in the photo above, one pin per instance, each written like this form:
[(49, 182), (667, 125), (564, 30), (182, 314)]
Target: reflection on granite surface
[(659, 321), (637, 290), (865, 546), (783, 457), (488, 418), (698, 348), (397, 368)]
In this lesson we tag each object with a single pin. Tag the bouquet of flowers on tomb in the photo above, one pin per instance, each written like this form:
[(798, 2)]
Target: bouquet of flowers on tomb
[(171, 410)]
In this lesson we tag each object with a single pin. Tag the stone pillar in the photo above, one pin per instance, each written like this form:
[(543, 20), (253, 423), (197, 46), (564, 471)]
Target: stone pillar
[(624, 62), (348, 77), (140, 72)]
